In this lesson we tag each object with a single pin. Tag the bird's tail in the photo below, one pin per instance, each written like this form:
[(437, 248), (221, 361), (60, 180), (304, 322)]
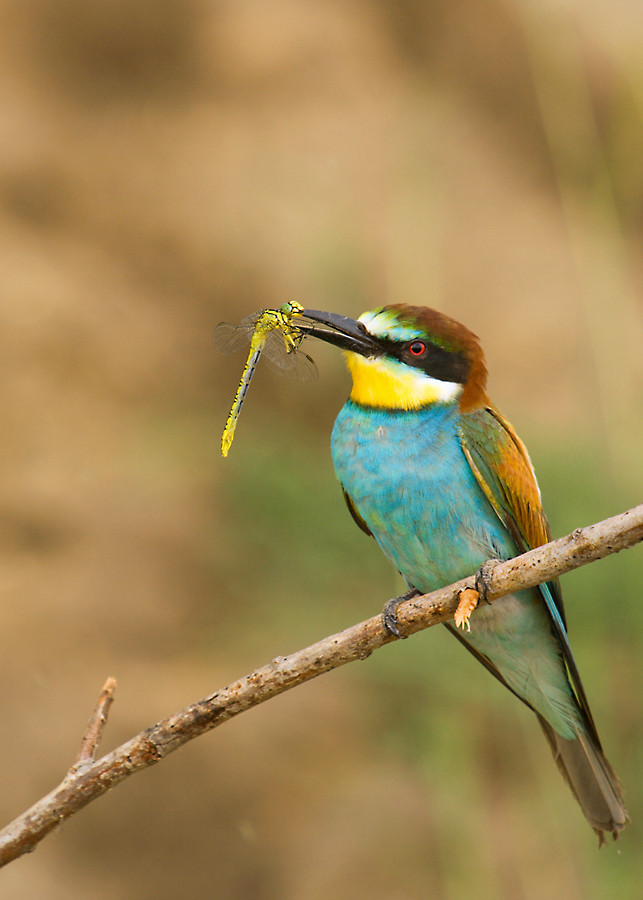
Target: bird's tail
[(592, 780)]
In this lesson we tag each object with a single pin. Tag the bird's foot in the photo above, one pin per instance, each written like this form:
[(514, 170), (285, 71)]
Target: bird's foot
[(389, 613), (469, 598), (483, 578)]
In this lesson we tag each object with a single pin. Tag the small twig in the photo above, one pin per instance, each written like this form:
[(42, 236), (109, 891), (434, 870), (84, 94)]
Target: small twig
[(96, 724), (85, 783)]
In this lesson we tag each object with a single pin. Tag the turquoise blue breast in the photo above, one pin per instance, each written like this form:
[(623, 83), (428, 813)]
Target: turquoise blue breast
[(409, 480)]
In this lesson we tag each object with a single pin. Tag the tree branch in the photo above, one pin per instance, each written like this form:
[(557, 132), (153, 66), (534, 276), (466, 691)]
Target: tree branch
[(97, 723), (88, 779)]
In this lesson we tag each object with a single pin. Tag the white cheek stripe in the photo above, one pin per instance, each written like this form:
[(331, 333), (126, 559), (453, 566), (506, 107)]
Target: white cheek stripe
[(446, 391)]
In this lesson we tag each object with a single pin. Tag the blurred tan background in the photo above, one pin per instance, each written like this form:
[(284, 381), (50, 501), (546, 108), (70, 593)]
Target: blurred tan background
[(166, 165)]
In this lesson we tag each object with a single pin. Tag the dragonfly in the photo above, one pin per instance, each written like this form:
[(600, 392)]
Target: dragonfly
[(273, 336)]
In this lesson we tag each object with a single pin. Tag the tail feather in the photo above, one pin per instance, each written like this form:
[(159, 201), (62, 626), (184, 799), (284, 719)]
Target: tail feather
[(591, 779)]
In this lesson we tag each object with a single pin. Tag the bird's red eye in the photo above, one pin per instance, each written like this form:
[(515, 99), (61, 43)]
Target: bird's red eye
[(417, 348)]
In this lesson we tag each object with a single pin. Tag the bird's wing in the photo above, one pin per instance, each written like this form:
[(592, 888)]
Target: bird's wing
[(356, 516), (500, 462), (501, 465)]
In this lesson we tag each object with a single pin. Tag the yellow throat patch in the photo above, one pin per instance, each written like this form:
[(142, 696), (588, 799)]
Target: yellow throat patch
[(390, 384)]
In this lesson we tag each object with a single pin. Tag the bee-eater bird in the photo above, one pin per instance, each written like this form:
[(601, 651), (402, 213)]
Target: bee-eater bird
[(441, 480)]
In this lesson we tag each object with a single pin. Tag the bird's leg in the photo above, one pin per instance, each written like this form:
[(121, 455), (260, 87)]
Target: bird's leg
[(389, 613)]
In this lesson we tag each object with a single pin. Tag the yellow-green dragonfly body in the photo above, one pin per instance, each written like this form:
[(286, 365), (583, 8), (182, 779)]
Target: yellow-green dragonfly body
[(273, 335)]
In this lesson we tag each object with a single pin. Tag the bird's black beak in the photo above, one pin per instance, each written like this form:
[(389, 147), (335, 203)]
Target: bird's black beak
[(348, 334)]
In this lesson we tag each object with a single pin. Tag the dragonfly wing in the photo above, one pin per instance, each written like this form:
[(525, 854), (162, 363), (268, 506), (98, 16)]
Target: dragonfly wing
[(229, 338), (291, 362), (304, 368)]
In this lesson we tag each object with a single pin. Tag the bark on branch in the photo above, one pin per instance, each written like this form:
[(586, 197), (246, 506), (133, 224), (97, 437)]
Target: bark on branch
[(87, 779)]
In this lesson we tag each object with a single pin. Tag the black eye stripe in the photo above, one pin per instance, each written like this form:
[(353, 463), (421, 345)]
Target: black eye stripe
[(445, 365)]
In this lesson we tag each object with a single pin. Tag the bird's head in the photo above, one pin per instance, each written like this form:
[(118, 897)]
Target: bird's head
[(405, 357)]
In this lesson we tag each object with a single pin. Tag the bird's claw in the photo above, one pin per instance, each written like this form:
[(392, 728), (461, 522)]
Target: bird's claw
[(389, 613), (483, 578)]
